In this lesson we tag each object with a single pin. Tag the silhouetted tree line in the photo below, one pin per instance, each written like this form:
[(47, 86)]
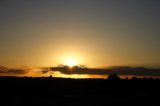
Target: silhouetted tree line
[(49, 90), (110, 77), (117, 77)]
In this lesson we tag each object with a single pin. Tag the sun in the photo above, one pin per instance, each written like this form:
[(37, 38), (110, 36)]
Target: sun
[(70, 62)]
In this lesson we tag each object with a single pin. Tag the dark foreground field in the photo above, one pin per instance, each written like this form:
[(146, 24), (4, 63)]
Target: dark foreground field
[(56, 91)]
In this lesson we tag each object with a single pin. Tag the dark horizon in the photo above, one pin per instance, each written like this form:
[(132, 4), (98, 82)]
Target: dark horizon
[(26, 91)]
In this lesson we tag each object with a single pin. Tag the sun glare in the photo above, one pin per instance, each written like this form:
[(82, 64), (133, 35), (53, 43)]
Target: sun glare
[(71, 62)]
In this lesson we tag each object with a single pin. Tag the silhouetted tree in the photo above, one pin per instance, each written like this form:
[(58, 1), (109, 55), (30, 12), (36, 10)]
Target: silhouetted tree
[(126, 78), (114, 77), (134, 78)]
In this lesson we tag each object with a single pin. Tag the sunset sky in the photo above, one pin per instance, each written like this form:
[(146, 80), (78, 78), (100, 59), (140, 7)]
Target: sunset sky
[(94, 33)]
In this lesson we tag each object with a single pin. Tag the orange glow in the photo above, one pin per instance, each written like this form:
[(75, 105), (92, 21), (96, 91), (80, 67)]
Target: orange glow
[(75, 76)]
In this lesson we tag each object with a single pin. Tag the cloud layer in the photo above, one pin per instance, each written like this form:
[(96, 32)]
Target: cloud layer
[(78, 70), (121, 70)]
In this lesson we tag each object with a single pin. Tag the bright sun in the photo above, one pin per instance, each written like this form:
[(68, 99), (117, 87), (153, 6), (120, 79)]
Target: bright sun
[(70, 61)]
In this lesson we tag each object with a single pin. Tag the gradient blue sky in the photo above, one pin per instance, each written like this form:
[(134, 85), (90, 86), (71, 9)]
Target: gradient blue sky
[(95, 32)]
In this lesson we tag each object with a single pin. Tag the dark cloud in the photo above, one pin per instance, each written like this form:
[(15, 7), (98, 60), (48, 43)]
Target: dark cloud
[(45, 70), (6, 70), (121, 70), (24, 71), (14, 71), (2, 68)]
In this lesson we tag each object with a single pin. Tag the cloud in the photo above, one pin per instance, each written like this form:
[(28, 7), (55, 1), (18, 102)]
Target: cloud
[(5, 70), (2, 68), (24, 71), (121, 70)]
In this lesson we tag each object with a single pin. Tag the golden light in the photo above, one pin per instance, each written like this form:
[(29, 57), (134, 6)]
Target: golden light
[(69, 58), (70, 61)]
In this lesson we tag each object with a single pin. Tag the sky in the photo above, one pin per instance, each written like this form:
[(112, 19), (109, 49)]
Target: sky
[(94, 33)]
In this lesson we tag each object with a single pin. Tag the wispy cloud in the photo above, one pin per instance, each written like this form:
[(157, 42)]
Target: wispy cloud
[(25, 71), (12, 71)]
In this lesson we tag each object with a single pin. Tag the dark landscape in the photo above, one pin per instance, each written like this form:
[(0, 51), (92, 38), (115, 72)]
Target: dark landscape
[(64, 91)]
